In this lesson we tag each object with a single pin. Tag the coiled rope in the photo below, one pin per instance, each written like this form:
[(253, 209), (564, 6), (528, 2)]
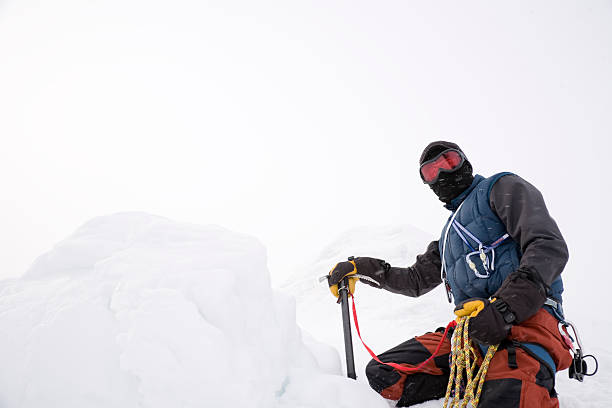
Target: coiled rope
[(461, 361)]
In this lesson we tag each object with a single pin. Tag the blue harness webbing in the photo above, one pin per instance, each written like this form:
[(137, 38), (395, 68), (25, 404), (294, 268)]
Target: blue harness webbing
[(483, 250)]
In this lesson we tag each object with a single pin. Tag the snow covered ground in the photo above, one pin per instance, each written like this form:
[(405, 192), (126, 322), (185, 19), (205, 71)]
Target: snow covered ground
[(134, 310), (388, 319)]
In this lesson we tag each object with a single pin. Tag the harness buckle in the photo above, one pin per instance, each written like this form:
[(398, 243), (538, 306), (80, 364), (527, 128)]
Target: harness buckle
[(578, 369), (449, 293)]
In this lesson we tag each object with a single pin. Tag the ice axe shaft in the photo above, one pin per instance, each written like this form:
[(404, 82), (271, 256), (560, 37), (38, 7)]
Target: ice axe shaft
[(343, 289)]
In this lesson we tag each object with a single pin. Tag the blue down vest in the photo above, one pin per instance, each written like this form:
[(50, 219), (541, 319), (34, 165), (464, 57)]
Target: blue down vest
[(477, 217)]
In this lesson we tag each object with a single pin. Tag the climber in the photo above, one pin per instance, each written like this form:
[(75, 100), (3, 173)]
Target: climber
[(500, 257)]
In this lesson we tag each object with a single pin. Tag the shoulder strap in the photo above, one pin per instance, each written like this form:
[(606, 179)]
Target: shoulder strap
[(443, 261)]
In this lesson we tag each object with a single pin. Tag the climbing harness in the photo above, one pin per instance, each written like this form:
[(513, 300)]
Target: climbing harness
[(464, 358), (461, 354), (578, 369), (482, 251)]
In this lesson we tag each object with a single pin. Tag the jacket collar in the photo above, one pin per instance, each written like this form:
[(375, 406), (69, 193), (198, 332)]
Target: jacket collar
[(456, 202)]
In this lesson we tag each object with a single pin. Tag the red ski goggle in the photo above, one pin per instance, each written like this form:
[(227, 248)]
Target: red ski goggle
[(447, 161)]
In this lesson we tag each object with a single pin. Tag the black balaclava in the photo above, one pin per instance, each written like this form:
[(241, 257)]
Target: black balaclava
[(449, 184)]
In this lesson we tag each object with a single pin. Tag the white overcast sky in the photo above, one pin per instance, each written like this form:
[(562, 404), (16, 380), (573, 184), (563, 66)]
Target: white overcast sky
[(294, 121)]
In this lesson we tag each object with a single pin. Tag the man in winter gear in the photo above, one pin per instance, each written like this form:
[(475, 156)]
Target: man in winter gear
[(500, 257)]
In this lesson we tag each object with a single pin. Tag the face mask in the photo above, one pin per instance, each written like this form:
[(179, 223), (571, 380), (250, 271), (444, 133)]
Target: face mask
[(449, 185)]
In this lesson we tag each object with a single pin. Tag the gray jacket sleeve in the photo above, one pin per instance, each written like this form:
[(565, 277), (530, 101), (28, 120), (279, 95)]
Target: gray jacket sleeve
[(520, 206), (417, 279)]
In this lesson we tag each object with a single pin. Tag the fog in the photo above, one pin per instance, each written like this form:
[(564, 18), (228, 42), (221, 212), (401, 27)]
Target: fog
[(295, 121)]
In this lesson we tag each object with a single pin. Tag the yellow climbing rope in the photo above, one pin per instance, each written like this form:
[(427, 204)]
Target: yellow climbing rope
[(461, 355)]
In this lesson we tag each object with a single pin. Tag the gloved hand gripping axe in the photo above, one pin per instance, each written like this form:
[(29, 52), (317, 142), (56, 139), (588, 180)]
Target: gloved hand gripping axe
[(341, 280), (343, 294)]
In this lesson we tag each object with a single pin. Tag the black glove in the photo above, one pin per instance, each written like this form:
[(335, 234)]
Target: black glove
[(371, 268), (521, 296), (490, 320), (524, 292)]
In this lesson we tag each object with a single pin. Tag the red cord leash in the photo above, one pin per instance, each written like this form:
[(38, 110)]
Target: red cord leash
[(399, 367)]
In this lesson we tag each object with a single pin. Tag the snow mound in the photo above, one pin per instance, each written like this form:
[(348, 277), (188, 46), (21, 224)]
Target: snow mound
[(134, 310)]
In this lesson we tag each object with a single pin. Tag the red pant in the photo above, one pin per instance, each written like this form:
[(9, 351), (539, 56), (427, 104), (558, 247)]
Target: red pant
[(528, 383)]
